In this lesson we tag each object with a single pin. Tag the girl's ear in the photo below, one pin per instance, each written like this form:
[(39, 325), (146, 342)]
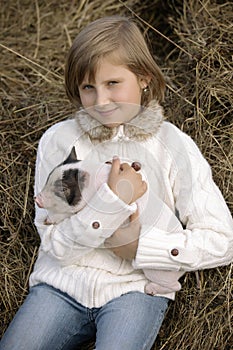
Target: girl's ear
[(144, 82)]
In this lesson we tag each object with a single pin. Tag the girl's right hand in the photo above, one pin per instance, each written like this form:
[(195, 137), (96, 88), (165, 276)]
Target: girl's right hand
[(125, 182)]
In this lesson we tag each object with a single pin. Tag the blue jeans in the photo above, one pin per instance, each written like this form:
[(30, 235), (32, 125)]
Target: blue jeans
[(50, 319)]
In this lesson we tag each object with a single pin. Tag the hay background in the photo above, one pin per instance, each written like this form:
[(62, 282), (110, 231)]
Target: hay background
[(192, 41)]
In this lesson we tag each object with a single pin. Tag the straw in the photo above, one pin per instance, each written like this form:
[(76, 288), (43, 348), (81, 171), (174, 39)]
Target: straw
[(192, 42)]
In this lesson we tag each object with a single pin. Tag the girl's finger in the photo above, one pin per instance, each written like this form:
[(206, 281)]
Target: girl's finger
[(115, 168), (124, 166), (134, 216)]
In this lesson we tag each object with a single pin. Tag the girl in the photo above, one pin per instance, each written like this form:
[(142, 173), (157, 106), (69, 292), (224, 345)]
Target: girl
[(88, 280)]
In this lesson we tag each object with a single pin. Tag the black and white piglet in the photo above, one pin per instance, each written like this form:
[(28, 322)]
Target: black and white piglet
[(70, 186)]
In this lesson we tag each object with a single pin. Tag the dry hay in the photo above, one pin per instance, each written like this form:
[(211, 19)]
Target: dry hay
[(193, 43)]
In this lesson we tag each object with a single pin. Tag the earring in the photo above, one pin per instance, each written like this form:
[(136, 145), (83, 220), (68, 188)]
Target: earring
[(145, 89)]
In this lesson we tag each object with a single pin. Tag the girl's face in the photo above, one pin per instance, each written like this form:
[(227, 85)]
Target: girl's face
[(115, 96)]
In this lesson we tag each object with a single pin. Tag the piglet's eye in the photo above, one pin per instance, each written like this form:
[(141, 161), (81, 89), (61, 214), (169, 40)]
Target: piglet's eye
[(66, 190)]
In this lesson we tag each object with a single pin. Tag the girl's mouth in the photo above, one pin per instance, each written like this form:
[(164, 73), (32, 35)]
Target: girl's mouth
[(107, 113)]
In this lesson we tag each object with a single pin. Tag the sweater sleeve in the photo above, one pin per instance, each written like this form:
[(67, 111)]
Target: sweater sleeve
[(78, 235), (206, 238)]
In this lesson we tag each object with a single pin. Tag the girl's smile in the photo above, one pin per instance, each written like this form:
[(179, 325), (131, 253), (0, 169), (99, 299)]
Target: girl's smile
[(114, 97)]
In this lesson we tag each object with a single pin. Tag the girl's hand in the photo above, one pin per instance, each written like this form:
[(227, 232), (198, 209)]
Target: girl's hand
[(125, 182), (124, 241)]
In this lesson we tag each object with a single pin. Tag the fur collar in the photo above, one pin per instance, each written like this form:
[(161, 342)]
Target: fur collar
[(144, 125)]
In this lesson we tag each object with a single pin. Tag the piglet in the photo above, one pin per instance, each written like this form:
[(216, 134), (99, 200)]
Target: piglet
[(69, 187)]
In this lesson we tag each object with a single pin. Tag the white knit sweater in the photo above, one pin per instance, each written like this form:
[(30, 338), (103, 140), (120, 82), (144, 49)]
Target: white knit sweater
[(72, 257)]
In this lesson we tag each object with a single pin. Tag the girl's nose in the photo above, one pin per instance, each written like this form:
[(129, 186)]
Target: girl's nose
[(102, 97)]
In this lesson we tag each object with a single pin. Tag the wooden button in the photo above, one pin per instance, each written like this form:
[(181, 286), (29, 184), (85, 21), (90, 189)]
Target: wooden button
[(95, 224), (174, 252), (136, 166)]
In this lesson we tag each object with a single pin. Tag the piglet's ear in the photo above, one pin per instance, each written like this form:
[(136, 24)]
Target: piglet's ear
[(72, 157)]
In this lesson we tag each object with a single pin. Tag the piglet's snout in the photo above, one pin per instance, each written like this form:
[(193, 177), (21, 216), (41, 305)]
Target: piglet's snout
[(38, 200)]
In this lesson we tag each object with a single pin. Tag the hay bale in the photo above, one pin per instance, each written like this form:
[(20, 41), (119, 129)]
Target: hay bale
[(192, 41)]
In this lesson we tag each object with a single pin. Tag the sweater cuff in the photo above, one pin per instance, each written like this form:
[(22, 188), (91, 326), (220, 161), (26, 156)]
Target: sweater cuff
[(103, 214), (167, 252)]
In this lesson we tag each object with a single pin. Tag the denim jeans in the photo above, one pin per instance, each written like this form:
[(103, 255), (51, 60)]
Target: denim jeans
[(52, 320)]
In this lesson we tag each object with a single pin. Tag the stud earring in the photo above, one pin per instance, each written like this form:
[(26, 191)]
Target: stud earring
[(145, 89)]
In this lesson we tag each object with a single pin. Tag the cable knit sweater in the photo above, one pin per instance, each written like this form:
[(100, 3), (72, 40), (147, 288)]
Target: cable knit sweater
[(72, 257)]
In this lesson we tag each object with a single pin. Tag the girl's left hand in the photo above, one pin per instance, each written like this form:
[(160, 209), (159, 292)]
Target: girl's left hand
[(124, 241)]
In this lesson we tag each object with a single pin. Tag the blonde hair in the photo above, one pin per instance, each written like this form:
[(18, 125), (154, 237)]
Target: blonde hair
[(107, 36)]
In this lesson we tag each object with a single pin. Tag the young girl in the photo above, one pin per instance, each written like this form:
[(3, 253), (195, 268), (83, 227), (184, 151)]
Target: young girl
[(88, 281)]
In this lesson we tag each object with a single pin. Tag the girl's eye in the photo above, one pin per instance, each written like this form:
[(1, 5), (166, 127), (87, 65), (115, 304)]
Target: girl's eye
[(113, 82), (87, 87)]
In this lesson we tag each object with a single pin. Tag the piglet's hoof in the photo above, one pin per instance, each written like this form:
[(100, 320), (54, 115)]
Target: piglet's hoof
[(136, 166)]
